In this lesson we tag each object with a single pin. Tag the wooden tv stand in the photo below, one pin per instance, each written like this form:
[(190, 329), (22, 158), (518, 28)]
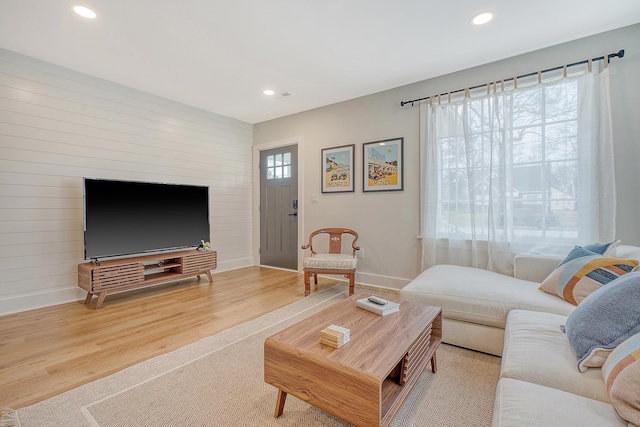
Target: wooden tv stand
[(137, 272)]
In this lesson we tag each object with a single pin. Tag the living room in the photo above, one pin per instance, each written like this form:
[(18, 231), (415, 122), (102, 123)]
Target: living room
[(131, 135), (60, 125)]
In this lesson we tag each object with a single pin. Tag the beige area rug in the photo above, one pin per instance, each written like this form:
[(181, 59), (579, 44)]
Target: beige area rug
[(218, 381)]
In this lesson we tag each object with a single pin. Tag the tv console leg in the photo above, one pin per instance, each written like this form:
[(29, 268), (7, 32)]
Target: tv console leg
[(209, 276), (101, 297), (87, 300)]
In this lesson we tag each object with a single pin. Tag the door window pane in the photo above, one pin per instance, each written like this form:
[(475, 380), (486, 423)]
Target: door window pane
[(279, 166)]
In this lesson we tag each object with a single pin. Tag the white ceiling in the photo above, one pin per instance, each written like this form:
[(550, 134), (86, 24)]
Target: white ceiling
[(219, 55)]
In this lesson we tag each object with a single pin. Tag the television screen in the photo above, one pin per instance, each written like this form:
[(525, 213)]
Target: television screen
[(127, 217)]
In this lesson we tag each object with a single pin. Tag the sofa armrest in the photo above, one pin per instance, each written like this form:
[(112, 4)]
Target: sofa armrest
[(534, 268), (628, 252)]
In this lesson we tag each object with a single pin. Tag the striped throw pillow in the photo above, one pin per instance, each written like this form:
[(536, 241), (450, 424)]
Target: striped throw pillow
[(621, 373), (582, 272)]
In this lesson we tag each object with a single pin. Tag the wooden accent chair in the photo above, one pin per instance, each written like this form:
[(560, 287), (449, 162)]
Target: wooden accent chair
[(333, 262)]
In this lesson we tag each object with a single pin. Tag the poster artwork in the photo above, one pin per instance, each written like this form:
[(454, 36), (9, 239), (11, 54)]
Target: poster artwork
[(338, 172), (337, 169), (383, 164)]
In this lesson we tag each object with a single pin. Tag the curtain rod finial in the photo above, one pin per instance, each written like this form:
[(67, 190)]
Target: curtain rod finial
[(618, 54)]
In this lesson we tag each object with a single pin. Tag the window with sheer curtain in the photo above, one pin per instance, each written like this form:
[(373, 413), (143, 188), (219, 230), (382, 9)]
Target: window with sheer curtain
[(523, 169)]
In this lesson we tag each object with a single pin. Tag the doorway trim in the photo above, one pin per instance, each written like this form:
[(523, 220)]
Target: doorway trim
[(299, 141)]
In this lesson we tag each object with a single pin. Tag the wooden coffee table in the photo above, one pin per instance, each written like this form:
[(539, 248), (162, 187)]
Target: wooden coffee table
[(365, 381)]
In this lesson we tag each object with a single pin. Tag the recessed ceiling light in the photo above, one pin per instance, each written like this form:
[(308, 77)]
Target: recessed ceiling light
[(84, 12), (268, 92), (482, 18)]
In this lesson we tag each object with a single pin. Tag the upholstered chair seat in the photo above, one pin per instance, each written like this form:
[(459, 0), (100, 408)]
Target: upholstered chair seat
[(331, 261)]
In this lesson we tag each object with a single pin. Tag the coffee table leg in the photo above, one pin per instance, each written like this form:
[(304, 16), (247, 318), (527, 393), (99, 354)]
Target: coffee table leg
[(434, 366), (282, 397)]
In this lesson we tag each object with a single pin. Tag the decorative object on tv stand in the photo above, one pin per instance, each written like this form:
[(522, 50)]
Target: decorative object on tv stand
[(338, 169), (383, 165)]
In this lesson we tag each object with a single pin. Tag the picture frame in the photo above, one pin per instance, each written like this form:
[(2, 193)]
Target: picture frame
[(383, 165), (338, 175)]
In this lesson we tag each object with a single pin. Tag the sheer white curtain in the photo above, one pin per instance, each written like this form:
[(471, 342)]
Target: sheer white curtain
[(527, 168)]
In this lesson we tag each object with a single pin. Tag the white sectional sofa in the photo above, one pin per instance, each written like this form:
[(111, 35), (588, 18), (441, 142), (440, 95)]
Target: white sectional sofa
[(475, 302), (540, 384)]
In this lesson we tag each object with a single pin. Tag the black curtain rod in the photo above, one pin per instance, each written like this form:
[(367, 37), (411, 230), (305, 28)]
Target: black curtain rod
[(618, 54)]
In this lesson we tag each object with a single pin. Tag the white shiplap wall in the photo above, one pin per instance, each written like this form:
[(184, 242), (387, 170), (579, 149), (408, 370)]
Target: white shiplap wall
[(58, 126)]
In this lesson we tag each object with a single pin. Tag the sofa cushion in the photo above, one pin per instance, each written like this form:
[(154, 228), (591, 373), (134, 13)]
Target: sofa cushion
[(331, 261), (520, 403), (479, 296), (604, 320), (621, 373), (628, 252), (582, 272), (536, 350)]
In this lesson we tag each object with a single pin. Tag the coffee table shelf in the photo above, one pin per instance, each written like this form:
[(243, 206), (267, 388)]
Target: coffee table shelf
[(365, 381)]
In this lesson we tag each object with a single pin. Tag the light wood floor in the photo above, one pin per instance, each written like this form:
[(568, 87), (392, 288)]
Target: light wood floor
[(47, 351)]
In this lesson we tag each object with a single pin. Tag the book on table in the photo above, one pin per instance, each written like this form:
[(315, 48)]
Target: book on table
[(335, 336), (382, 310)]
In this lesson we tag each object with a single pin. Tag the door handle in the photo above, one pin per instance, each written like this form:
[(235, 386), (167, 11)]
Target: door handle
[(293, 214)]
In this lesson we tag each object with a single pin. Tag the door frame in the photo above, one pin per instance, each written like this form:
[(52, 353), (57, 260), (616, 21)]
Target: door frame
[(299, 141)]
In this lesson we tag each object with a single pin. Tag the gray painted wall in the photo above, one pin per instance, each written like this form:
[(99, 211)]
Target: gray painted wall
[(57, 126), (388, 223)]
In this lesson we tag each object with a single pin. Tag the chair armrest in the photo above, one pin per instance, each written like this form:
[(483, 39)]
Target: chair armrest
[(534, 268)]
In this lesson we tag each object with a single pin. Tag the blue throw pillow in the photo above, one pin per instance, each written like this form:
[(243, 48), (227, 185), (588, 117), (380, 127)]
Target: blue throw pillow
[(603, 320), (608, 249)]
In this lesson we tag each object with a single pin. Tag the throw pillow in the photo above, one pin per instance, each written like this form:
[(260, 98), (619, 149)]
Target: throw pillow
[(606, 249), (582, 272), (603, 320), (621, 373)]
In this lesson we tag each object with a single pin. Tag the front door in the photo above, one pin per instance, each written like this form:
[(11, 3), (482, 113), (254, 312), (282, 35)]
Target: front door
[(279, 207)]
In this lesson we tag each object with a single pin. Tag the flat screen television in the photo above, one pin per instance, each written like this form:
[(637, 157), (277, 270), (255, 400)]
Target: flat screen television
[(130, 217)]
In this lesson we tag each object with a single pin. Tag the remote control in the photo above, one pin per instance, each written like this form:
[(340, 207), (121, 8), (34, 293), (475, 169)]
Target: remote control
[(376, 300)]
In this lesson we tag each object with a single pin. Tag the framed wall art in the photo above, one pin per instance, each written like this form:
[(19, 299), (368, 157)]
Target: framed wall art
[(383, 165), (338, 169)]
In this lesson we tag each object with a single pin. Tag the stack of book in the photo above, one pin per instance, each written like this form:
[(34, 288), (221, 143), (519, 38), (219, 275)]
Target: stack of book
[(334, 336), (381, 306)]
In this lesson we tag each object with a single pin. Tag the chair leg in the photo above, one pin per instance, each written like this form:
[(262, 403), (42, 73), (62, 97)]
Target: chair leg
[(352, 282), (307, 285)]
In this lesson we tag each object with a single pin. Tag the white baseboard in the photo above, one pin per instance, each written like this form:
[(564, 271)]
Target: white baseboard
[(49, 297), (380, 281), (376, 280), (233, 264), (31, 301)]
